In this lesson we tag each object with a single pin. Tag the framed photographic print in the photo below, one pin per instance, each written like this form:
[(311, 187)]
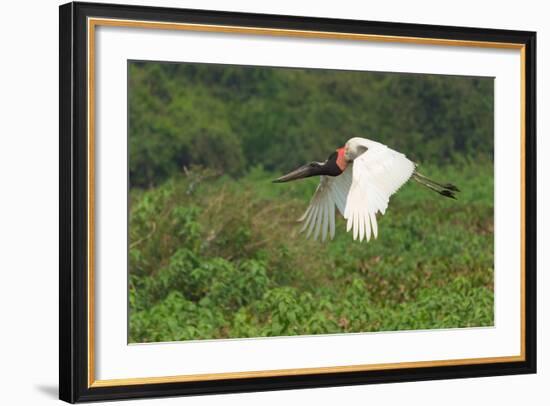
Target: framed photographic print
[(256, 202)]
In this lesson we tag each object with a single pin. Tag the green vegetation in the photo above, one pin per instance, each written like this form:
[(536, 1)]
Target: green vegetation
[(235, 118), (215, 250), (213, 257)]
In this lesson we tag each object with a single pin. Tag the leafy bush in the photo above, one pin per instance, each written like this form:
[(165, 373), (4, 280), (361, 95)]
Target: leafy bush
[(213, 257)]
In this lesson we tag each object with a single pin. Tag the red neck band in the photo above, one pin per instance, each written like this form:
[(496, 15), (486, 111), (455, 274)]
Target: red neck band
[(341, 160)]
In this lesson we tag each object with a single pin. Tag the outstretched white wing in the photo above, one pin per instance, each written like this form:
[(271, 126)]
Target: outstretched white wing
[(377, 174), (360, 192), (332, 192)]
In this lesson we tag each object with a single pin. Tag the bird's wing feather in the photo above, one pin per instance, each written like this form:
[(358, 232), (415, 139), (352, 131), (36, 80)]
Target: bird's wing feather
[(377, 174), (360, 192), (319, 218)]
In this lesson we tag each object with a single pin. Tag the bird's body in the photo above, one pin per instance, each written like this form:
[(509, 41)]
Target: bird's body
[(357, 180)]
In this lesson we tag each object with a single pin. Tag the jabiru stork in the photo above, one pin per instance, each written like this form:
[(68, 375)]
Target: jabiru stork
[(357, 179)]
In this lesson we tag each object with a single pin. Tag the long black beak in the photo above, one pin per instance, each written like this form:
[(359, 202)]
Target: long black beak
[(303, 171)]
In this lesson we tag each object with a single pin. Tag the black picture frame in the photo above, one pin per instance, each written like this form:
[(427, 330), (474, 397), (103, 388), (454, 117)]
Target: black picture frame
[(74, 199)]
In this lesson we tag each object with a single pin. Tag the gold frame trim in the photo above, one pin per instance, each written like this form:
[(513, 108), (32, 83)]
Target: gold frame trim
[(94, 22)]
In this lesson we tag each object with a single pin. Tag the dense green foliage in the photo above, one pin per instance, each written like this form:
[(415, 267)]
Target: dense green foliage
[(215, 257), (215, 250), (233, 118)]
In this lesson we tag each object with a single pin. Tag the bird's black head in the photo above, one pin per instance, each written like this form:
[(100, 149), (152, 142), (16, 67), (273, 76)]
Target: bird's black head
[(331, 167), (328, 168)]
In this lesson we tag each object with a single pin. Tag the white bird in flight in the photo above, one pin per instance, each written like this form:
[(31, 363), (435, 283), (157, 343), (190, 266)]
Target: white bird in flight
[(357, 179)]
